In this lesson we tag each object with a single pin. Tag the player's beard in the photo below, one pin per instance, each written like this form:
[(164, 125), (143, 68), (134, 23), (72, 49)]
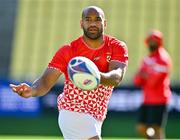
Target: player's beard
[(153, 47), (93, 36)]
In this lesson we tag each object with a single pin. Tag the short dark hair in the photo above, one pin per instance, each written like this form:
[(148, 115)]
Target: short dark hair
[(99, 10)]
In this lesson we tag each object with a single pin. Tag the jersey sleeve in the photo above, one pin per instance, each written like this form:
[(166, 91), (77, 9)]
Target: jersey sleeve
[(60, 59), (120, 52), (140, 76)]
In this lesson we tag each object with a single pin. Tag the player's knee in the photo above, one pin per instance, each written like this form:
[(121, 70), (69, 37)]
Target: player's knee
[(140, 128), (159, 133)]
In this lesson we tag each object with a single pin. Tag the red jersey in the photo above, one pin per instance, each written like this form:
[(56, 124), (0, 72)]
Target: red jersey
[(156, 86), (95, 101)]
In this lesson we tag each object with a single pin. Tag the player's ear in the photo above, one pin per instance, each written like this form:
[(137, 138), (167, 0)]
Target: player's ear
[(105, 23), (81, 24)]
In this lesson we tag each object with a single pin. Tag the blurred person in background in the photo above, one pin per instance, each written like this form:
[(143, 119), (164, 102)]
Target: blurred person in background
[(81, 113), (153, 76)]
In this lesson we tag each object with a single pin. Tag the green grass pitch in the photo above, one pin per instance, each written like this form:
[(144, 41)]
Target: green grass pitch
[(51, 138)]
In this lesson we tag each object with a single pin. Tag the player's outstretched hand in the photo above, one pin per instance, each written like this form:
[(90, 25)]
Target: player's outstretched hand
[(23, 90)]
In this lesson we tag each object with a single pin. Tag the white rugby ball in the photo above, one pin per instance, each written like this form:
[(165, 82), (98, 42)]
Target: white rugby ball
[(83, 73)]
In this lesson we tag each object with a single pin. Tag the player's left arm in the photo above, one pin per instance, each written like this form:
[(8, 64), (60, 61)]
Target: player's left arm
[(115, 75), (117, 64)]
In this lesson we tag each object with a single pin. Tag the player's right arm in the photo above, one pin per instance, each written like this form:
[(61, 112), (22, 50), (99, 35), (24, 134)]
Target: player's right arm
[(40, 87)]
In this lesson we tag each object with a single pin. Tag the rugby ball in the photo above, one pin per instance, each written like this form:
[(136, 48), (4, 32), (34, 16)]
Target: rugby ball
[(83, 73)]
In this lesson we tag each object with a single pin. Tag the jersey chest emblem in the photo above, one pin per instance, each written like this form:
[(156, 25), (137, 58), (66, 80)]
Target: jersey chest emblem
[(108, 56)]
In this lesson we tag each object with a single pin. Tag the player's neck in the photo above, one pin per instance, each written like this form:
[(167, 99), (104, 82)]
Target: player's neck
[(94, 43)]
